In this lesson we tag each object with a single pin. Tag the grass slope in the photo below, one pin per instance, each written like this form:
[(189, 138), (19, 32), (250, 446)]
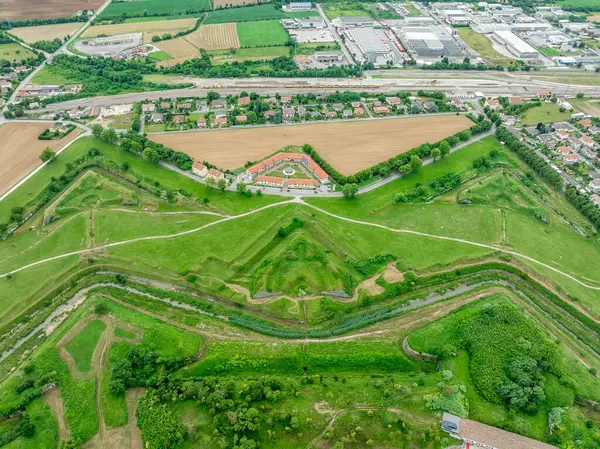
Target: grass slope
[(82, 346)]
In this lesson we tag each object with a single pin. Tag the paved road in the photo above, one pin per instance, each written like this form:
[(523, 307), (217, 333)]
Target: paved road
[(330, 214), (336, 36)]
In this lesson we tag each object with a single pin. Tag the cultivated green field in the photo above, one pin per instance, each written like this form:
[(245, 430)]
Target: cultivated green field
[(546, 113), (158, 7), (245, 14), (261, 33)]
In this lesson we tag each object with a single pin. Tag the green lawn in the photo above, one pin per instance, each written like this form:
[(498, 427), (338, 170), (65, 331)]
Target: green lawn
[(82, 346), (50, 74), (413, 10), (12, 52), (481, 44), (160, 56), (245, 14), (549, 51), (261, 33), (546, 113), (117, 9)]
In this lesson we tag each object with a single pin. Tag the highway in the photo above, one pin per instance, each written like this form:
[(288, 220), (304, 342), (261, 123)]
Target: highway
[(488, 83)]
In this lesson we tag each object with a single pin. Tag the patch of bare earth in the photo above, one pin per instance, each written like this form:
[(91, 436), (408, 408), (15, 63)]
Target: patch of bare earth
[(54, 400), (392, 274)]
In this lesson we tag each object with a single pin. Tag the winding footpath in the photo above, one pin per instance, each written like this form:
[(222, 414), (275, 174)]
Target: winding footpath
[(300, 201)]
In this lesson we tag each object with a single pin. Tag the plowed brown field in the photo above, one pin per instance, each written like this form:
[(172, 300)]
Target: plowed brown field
[(46, 32), (44, 9), (156, 28), (349, 146), (20, 150)]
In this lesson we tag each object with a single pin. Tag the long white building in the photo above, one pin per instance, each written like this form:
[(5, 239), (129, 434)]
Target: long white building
[(515, 45)]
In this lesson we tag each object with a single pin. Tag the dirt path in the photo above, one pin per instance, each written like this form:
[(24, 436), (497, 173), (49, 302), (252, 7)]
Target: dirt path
[(54, 400)]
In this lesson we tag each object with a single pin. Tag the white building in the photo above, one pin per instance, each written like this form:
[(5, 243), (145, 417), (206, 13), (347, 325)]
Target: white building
[(515, 45)]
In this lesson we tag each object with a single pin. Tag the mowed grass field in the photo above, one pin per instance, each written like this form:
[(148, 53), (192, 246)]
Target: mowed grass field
[(48, 9), (10, 52), (546, 113), (137, 8), (261, 33), (230, 3), (82, 346), (348, 146), (20, 150), (46, 32), (149, 29)]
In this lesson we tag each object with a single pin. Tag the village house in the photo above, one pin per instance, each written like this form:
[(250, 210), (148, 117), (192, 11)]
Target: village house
[(202, 106), (315, 114), (216, 175), (288, 113), (220, 113), (241, 118), (515, 100), (157, 118), (200, 169), (492, 104), (594, 130), (271, 100), (347, 113), (595, 199), (184, 106), (356, 104), (218, 104), (585, 123), (330, 114), (269, 181), (148, 107), (393, 101), (243, 101), (377, 104), (165, 105), (220, 122), (571, 159), (269, 114), (286, 100), (4, 83), (359, 112), (562, 134), (338, 107), (587, 141), (543, 95), (430, 106), (301, 111), (302, 184), (381, 110), (75, 114), (201, 122), (178, 120), (563, 151)]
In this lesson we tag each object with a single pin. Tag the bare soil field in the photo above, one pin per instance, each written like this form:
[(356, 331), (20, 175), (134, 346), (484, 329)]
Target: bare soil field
[(20, 150), (349, 146), (149, 29), (180, 49), (44, 9), (230, 3), (215, 37), (593, 18), (46, 32)]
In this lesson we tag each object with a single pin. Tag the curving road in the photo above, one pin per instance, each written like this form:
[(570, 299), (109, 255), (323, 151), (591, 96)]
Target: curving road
[(300, 201)]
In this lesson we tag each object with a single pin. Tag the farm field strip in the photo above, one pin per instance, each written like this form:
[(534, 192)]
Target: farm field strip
[(48, 9), (348, 146), (215, 37), (230, 3), (20, 150), (180, 49), (46, 32), (153, 28)]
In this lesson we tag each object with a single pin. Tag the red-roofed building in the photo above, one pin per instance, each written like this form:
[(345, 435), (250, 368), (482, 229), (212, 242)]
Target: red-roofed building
[(596, 199), (515, 100), (199, 169), (302, 184), (585, 123), (563, 151), (177, 120), (587, 141), (269, 181), (241, 118), (571, 158), (216, 174), (544, 95), (201, 122), (359, 111), (381, 110), (243, 101), (562, 134), (220, 121)]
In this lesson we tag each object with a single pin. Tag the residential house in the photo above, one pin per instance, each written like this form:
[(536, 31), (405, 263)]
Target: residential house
[(201, 122), (202, 106), (356, 104), (271, 100), (148, 107), (347, 113), (184, 106), (243, 101), (381, 110), (301, 111), (157, 118), (571, 159), (393, 101), (587, 141), (269, 114), (165, 105), (595, 199), (515, 100), (562, 134), (200, 169), (286, 100), (330, 114), (4, 83), (216, 175), (430, 106), (241, 118), (315, 114), (492, 104), (220, 122), (543, 95), (34, 105), (360, 112), (563, 151), (288, 113), (220, 113), (585, 123), (178, 120), (594, 130), (218, 104), (338, 107), (269, 181), (377, 104), (75, 114), (302, 184)]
